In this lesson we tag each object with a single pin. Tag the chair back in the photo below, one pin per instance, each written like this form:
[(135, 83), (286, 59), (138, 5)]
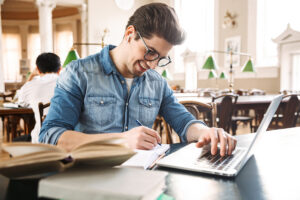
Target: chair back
[(290, 111), (225, 110), (41, 110), (197, 108)]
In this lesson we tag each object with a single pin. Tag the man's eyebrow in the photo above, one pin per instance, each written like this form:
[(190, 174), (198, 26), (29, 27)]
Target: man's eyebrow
[(153, 49)]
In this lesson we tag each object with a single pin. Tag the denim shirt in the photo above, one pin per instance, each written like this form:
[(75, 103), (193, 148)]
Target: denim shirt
[(91, 97)]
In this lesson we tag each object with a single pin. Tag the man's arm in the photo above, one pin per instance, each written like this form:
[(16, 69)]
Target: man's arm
[(137, 138)]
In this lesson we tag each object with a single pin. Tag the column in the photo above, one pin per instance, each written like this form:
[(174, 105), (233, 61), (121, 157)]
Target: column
[(2, 88), (84, 36), (45, 8)]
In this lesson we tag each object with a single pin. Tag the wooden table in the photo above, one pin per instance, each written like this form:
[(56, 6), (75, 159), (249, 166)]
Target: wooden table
[(12, 114), (259, 103)]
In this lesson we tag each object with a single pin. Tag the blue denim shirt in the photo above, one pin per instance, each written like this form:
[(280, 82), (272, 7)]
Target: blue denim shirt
[(91, 97)]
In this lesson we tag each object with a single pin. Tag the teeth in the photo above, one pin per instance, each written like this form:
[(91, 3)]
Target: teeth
[(142, 66)]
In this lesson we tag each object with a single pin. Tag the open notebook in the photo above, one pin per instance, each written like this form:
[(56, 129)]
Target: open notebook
[(146, 158)]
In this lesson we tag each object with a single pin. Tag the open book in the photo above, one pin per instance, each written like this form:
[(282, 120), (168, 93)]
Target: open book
[(146, 158), (29, 159)]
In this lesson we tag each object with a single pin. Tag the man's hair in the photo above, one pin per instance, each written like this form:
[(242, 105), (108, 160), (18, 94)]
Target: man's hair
[(48, 63), (157, 19)]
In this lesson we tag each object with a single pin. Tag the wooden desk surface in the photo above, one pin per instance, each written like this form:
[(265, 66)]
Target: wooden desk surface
[(263, 177), (15, 111)]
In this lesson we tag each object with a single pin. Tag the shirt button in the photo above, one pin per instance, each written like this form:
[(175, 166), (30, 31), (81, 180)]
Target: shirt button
[(150, 104), (122, 82), (126, 128), (101, 102), (126, 104)]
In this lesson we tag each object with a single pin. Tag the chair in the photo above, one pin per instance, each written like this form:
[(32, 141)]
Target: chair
[(225, 110), (288, 113), (41, 110), (195, 108), (206, 112)]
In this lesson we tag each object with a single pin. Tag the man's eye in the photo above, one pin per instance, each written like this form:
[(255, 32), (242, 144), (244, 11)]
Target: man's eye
[(152, 53)]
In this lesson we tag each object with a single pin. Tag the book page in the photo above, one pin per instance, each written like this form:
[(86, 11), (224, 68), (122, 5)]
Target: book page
[(145, 158), (23, 148)]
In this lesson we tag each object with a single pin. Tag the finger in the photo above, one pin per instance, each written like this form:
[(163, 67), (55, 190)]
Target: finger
[(214, 141), (203, 140), (230, 142), (223, 141), (149, 138), (146, 145), (152, 133)]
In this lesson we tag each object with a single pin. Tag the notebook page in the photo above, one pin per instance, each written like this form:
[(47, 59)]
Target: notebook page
[(145, 158)]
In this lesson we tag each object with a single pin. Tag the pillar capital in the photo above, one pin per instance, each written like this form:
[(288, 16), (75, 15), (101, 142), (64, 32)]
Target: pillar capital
[(45, 3)]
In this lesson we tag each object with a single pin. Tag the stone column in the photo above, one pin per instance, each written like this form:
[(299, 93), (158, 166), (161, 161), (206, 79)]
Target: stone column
[(84, 36), (45, 8), (2, 88)]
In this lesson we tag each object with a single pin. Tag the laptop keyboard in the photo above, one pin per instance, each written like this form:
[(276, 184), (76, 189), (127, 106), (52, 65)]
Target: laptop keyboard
[(218, 162)]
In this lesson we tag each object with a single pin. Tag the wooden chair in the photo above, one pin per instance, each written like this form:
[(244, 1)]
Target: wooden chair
[(202, 111), (41, 111), (288, 112), (225, 110), (195, 108)]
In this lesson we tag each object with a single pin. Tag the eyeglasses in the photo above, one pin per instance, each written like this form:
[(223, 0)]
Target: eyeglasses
[(151, 55)]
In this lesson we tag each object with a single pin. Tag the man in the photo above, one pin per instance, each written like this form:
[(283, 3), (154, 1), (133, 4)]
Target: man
[(107, 92), (40, 87)]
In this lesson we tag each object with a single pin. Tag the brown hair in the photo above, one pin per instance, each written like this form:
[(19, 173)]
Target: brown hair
[(157, 19)]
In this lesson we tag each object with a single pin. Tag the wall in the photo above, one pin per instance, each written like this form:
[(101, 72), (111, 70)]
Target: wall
[(105, 14)]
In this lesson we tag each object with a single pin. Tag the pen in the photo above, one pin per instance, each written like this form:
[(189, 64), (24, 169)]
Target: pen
[(140, 124)]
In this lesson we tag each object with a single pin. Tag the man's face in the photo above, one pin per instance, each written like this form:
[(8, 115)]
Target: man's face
[(136, 63)]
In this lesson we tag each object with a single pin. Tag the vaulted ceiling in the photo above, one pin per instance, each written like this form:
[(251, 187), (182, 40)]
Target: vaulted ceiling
[(27, 10)]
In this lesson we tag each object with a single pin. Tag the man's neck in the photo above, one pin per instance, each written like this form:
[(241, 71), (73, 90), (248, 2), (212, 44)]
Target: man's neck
[(119, 56)]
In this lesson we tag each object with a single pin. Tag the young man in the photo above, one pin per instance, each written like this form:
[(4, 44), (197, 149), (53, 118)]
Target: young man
[(107, 92), (40, 87)]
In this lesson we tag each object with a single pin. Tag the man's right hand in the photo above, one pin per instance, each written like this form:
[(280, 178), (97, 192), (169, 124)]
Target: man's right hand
[(142, 138)]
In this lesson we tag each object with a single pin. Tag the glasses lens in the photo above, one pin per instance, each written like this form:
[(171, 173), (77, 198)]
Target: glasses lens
[(151, 55), (163, 62)]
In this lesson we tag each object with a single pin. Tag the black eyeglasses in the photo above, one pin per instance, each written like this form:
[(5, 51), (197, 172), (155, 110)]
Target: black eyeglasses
[(151, 55)]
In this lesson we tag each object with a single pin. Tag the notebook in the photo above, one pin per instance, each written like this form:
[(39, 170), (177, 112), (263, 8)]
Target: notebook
[(146, 158), (103, 183), (200, 160)]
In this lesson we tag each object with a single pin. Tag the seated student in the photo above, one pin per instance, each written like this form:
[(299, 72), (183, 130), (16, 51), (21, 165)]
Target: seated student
[(40, 87), (104, 94)]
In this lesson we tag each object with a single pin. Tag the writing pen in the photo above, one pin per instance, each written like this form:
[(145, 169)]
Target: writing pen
[(140, 124)]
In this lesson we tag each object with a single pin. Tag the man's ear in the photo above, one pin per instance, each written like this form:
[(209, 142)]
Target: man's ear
[(129, 36)]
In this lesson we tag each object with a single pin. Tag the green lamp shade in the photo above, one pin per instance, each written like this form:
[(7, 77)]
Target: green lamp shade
[(166, 75), (210, 64), (212, 74), (223, 76), (72, 55), (248, 67)]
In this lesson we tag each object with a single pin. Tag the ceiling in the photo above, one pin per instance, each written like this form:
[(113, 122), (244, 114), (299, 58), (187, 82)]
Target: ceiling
[(27, 10)]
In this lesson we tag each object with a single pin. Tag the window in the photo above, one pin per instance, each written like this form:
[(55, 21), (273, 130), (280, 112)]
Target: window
[(34, 48), (11, 56), (273, 16), (197, 19), (63, 41)]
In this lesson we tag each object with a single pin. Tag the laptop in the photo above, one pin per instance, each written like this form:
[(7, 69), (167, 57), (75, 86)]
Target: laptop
[(196, 159)]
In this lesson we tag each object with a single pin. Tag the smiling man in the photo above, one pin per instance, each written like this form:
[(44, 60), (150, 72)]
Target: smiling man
[(107, 92)]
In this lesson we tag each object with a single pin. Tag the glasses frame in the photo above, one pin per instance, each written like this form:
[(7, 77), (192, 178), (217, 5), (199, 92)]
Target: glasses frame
[(148, 50)]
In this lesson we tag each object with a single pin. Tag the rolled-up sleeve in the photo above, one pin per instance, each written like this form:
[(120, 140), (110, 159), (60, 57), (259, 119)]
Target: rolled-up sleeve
[(66, 104), (176, 114)]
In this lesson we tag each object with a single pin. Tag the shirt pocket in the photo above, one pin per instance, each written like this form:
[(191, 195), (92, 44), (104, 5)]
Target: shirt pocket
[(101, 109), (148, 110)]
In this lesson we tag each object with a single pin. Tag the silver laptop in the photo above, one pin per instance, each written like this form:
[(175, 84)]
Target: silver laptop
[(200, 159)]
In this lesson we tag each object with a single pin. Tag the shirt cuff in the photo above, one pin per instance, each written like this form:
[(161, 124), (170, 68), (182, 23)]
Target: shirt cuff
[(52, 135), (183, 135)]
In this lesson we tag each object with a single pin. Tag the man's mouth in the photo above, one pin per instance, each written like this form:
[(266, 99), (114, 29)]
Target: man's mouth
[(142, 66)]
